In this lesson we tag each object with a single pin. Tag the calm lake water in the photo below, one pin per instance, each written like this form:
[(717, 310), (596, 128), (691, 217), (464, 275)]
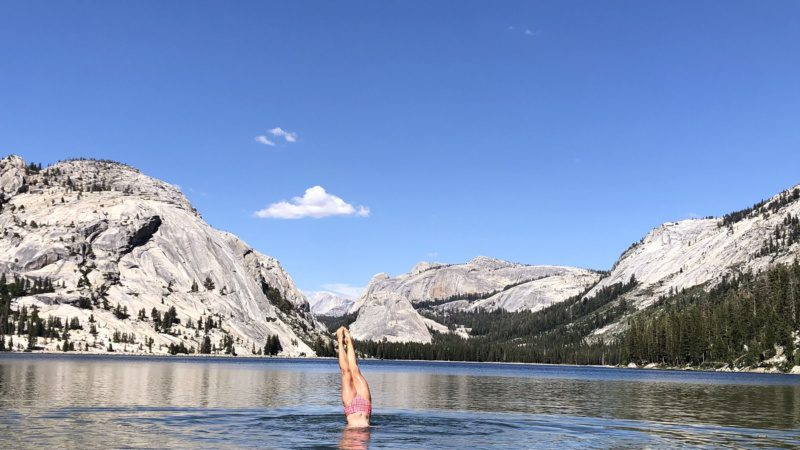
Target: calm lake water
[(101, 402)]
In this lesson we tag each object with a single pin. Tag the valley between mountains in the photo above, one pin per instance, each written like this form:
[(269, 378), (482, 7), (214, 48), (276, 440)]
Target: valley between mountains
[(97, 257)]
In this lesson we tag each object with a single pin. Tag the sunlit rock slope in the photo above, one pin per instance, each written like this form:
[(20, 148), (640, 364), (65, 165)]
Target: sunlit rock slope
[(114, 242)]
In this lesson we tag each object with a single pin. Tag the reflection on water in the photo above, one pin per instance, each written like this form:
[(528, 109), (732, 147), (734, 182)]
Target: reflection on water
[(93, 402), (355, 438)]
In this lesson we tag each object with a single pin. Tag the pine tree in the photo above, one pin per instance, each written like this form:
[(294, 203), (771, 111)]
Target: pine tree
[(121, 312), (156, 318), (22, 319), (273, 346), (205, 347), (35, 328), (227, 345), (170, 318), (209, 324)]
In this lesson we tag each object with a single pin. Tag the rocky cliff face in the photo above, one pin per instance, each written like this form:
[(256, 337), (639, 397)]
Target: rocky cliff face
[(539, 293), (105, 235), (672, 257), (678, 255), (388, 315), (688, 253), (486, 282), (386, 309)]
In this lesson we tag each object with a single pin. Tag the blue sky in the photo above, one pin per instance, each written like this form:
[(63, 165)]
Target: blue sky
[(539, 132)]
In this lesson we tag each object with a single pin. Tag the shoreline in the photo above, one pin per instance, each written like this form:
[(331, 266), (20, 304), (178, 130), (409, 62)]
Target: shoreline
[(750, 370)]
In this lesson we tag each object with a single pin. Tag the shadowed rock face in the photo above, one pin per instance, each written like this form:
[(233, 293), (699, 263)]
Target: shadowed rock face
[(103, 231), (143, 234)]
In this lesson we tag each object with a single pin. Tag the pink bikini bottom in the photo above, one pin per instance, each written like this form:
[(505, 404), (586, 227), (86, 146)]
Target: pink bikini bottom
[(358, 404)]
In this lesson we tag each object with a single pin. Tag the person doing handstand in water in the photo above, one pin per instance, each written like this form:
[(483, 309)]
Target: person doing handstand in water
[(355, 390)]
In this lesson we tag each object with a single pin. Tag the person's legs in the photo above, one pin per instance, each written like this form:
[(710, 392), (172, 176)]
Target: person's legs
[(344, 365), (348, 389), (360, 383)]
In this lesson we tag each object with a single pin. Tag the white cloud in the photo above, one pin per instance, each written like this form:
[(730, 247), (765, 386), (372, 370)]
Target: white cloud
[(343, 289), (264, 140), (316, 203), (289, 136), (526, 31)]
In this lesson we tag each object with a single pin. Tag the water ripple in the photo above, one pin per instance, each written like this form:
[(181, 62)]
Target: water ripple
[(145, 427), (157, 403)]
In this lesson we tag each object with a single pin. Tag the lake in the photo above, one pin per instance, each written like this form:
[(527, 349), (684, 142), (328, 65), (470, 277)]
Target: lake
[(118, 401)]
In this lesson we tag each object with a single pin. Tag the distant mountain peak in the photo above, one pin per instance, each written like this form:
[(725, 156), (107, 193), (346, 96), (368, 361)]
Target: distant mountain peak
[(484, 282), (422, 266), (326, 303), (490, 263)]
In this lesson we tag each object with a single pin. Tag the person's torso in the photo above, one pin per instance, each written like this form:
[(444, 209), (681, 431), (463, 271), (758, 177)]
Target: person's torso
[(358, 419)]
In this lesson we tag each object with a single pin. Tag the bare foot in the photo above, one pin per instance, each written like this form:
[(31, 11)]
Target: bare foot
[(340, 333)]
